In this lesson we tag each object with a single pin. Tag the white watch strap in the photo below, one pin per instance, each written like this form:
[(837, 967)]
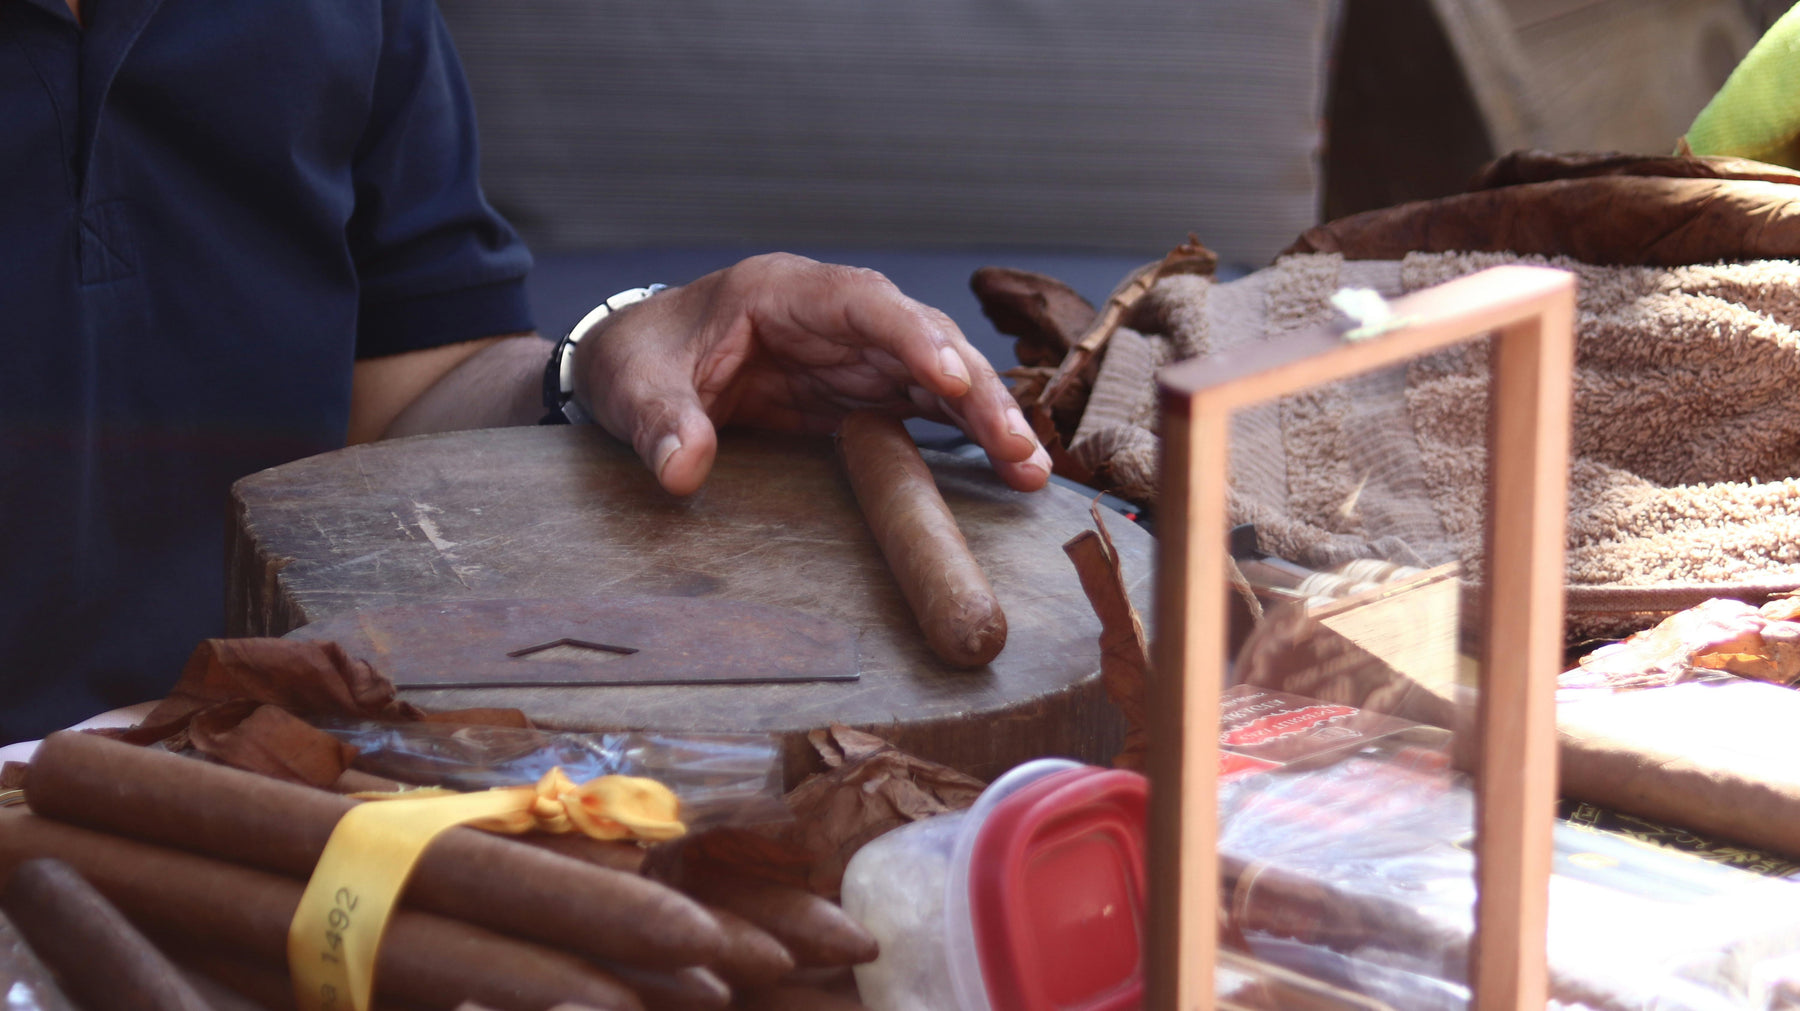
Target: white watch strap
[(566, 352)]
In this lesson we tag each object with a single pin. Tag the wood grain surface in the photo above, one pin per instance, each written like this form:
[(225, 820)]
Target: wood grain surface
[(567, 511)]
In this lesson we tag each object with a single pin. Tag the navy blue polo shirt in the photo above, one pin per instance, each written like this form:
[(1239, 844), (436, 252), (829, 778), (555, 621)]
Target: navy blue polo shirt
[(208, 211)]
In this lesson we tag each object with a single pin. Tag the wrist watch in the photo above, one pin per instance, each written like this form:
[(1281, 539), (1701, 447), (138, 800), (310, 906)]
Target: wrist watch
[(559, 372)]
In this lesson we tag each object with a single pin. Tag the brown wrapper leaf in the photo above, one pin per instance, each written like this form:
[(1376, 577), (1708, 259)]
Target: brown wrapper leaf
[(1046, 315), (868, 788), (240, 702), (269, 740), (1188, 258), (313, 678), (1124, 648), (872, 787)]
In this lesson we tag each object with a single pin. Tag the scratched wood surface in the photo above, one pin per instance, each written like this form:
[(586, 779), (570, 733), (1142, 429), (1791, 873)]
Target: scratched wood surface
[(567, 511)]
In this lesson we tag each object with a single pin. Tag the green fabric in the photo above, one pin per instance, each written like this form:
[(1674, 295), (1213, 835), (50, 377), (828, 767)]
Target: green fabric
[(1757, 113)]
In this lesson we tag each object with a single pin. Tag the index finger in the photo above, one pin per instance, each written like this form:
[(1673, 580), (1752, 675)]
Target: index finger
[(851, 304)]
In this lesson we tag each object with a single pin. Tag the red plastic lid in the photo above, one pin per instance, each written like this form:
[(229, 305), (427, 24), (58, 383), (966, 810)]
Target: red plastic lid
[(1056, 893)]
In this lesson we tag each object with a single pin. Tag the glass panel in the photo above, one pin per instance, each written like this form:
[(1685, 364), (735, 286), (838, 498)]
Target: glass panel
[(1346, 803), (1348, 766)]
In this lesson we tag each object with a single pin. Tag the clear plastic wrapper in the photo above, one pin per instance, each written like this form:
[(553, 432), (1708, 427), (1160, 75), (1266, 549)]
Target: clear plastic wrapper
[(720, 778), (1360, 874), (1711, 641)]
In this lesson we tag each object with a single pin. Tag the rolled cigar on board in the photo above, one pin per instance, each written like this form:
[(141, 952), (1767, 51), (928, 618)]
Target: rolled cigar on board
[(466, 874), (942, 582), (431, 961), (751, 956), (815, 930), (76, 931)]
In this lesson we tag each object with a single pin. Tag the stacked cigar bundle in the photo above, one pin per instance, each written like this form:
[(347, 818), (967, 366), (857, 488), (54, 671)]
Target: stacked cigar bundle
[(210, 862)]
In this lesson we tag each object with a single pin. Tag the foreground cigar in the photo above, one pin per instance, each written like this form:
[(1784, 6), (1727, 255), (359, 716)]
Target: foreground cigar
[(796, 998), (75, 931), (235, 983), (942, 583), (466, 874), (816, 931), (224, 998), (752, 956), (426, 960), (692, 989)]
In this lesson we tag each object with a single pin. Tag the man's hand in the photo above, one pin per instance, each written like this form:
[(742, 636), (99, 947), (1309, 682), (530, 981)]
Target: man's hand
[(786, 343)]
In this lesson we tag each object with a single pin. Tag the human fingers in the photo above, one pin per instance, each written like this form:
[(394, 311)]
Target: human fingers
[(847, 304)]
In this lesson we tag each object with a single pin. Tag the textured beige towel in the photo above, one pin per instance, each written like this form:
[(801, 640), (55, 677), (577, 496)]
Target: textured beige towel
[(1686, 436)]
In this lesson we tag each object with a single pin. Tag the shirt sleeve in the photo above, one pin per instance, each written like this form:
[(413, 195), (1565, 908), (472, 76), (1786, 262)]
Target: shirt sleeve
[(436, 264)]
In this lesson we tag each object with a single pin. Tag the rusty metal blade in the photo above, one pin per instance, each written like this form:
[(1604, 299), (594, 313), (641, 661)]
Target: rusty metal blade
[(592, 641)]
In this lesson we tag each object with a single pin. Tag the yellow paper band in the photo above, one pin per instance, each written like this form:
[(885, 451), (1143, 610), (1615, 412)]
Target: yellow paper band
[(372, 851), (345, 908)]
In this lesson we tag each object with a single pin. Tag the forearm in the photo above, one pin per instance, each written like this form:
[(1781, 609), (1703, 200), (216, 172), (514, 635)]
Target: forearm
[(500, 385)]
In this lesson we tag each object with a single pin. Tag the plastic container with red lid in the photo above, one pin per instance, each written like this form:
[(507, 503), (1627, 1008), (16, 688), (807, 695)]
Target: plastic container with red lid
[(1031, 900)]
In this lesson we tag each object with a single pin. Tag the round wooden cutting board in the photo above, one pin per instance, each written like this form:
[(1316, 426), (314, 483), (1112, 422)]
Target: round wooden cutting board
[(551, 513)]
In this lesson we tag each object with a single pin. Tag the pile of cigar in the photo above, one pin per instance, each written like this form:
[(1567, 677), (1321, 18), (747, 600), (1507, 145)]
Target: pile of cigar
[(207, 863)]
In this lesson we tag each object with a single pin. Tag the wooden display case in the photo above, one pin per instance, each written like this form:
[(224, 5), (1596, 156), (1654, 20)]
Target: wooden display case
[(1530, 313)]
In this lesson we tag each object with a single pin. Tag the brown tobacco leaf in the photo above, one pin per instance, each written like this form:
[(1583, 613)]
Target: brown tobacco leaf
[(241, 701), (1188, 258), (869, 788), (1124, 648), (313, 678), (1046, 315), (269, 740)]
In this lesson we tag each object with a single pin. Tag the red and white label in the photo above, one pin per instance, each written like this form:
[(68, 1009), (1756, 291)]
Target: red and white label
[(1275, 726)]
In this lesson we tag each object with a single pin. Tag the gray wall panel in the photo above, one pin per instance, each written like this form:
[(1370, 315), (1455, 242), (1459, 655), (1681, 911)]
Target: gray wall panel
[(1108, 126)]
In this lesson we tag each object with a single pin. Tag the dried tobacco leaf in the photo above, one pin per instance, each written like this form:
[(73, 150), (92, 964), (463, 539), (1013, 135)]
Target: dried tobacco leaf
[(269, 740), (870, 787), (1124, 648), (241, 701)]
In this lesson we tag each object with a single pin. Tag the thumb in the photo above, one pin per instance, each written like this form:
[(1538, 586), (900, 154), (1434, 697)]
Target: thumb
[(662, 419), (678, 446)]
